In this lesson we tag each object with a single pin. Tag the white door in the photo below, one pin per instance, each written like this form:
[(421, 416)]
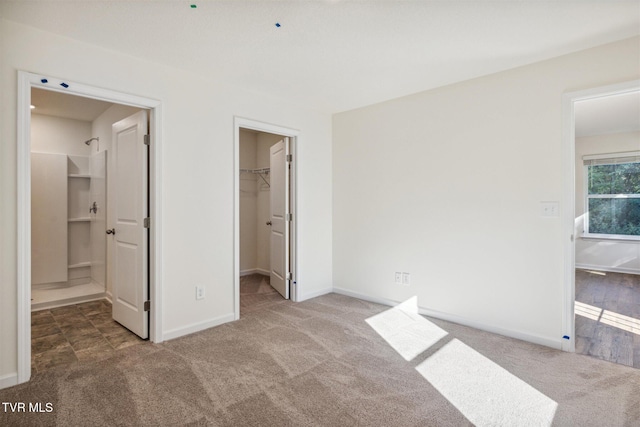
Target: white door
[(279, 221), (128, 238)]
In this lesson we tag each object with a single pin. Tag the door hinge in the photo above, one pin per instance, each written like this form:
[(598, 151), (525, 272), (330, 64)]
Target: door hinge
[(147, 140), (147, 306), (289, 158), (289, 276), (147, 222), (289, 217)]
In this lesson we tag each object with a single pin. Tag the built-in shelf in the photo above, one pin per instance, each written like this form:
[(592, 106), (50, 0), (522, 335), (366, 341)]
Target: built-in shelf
[(80, 265), (79, 175), (84, 219)]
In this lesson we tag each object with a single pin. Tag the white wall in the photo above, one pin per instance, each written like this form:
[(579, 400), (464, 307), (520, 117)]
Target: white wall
[(447, 184), (59, 135), (197, 152), (248, 202), (101, 126), (603, 254)]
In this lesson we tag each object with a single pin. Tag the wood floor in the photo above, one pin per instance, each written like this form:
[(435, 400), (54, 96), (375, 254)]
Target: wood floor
[(608, 316)]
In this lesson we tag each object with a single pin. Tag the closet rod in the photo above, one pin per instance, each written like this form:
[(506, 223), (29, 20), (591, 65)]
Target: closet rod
[(260, 173)]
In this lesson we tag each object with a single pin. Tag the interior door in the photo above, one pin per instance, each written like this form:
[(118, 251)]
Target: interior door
[(128, 204), (279, 221)]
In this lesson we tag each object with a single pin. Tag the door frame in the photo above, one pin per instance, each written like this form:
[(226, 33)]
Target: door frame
[(569, 198), (292, 134), (26, 81)]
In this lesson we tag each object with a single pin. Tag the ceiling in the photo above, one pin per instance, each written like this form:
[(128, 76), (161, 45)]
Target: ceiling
[(609, 114), (336, 55), (58, 104)]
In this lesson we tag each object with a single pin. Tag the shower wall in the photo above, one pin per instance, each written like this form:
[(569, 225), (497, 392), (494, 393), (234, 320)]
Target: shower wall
[(98, 224), (60, 194)]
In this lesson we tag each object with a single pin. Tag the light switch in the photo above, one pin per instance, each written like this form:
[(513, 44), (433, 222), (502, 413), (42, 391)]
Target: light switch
[(550, 209)]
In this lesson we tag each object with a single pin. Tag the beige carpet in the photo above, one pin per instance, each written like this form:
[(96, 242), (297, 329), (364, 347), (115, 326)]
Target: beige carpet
[(312, 363)]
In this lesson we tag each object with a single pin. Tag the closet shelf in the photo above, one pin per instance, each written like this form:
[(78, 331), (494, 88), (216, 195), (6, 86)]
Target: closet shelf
[(258, 171), (83, 219), (80, 265), (79, 175)]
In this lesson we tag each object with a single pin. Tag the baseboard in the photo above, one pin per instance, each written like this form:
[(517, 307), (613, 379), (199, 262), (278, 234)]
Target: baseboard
[(8, 380), (108, 297), (314, 294), (535, 339), (255, 271), (78, 281), (67, 301), (608, 269), (197, 327)]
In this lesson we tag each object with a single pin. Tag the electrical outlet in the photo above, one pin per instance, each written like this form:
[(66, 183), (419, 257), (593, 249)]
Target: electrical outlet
[(398, 278), (406, 279), (199, 292)]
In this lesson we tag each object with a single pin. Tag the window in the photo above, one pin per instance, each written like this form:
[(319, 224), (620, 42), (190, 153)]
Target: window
[(612, 199)]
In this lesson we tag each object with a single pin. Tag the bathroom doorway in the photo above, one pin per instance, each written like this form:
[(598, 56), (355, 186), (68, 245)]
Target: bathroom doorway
[(115, 263), (73, 278)]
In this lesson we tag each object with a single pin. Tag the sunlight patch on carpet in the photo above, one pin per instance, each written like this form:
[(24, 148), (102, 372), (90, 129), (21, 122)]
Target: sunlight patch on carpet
[(405, 330), (485, 393)]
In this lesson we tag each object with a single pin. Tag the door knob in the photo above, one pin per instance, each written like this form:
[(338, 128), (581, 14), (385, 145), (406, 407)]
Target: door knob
[(268, 222), (111, 231)]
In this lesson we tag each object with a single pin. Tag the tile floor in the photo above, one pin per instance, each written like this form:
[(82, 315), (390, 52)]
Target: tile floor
[(86, 332), (608, 316), (75, 334)]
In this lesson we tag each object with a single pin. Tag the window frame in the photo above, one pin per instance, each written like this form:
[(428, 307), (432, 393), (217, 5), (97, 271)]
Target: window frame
[(634, 157)]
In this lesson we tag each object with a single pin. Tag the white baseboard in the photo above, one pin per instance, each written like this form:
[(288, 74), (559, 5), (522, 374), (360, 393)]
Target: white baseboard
[(8, 380), (536, 339), (67, 301), (314, 294), (197, 327), (255, 271), (608, 269), (108, 297)]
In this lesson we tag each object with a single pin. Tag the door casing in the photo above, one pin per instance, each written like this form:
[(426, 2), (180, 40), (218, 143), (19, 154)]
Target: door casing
[(244, 123), (26, 81)]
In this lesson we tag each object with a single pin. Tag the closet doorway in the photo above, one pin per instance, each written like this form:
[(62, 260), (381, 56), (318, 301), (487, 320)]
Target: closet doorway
[(265, 219)]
